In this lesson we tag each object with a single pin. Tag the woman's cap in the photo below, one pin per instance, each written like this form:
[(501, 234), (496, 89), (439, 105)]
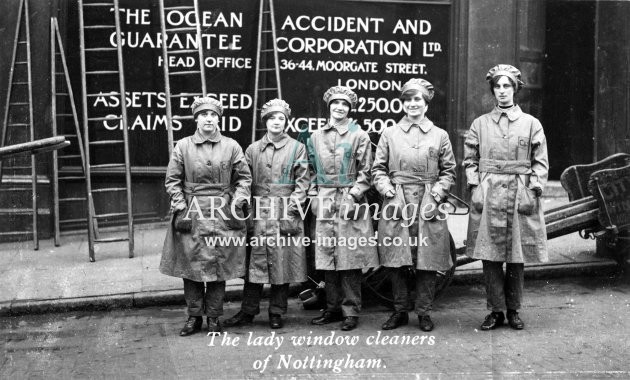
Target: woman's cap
[(207, 103), (275, 105), (418, 84), (341, 92), (507, 70)]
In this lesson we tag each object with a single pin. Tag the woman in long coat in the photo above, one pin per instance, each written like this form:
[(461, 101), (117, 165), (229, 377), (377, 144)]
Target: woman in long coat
[(341, 155), (414, 169), (208, 181), (280, 181), (506, 169)]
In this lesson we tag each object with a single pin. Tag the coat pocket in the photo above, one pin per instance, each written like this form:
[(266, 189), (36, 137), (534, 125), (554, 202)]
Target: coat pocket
[(349, 209), (291, 225), (477, 198), (236, 220), (527, 201), (393, 207), (429, 207)]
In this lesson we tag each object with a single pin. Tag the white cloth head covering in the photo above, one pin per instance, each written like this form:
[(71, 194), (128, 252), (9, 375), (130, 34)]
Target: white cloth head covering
[(507, 70), (275, 105), (206, 103), (341, 92)]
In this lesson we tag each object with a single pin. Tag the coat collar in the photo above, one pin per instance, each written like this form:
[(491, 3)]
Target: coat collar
[(342, 129), (199, 138), (265, 142), (512, 113), (425, 124)]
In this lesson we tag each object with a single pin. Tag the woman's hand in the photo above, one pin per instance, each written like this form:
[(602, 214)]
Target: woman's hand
[(348, 207), (181, 224)]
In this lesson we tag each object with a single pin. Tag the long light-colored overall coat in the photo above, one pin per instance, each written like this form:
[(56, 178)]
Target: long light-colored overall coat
[(414, 160), (505, 159), (342, 159), (209, 170), (280, 181)]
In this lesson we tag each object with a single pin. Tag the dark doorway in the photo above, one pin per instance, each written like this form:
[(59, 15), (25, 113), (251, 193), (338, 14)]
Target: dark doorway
[(569, 83)]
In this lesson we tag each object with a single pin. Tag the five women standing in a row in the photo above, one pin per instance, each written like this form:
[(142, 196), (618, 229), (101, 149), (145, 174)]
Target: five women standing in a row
[(414, 169)]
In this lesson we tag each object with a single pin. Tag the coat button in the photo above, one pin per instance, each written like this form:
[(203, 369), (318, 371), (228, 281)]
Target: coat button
[(268, 165), (505, 136), (209, 163), (504, 185)]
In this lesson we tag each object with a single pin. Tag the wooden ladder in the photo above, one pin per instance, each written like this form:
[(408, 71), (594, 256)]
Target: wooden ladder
[(94, 80), (64, 109), (264, 84), (17, 127), (198, 75)]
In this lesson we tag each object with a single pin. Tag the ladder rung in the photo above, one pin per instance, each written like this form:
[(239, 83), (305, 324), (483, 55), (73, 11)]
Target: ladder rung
[(268, 69), (64, 114), (102, 49), (99, 27), (19, 211), (17, 167), (71, 136), (19, 104), (19, 125), (184, 94), (268, 89), (13, 233), (16, 189), (20, 82), (22, 42), (106, 142), (266, 31), (99, 72), (110, 240), (175, 30), (111, 215), (181, 51), (179, 7), (106, 166), (72, 199), (266, 11), (109, 189), (266, 50), (21, 62), (76, 220), (104, 118), (184, 72), (69, 156), (182, 117), (70, 178), (98, 4), (61, 94), (113, 93)]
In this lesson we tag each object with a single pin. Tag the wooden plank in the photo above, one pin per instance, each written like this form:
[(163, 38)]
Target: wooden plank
[(572, 224), (571, 209)]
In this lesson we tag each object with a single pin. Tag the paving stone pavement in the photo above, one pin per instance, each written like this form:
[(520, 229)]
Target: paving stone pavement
[(575, 328)]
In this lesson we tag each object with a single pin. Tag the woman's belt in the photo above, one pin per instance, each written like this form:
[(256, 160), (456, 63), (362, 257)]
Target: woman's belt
[(336, 180), (406, 177), (206, 189), (488, 165), (272, 190)]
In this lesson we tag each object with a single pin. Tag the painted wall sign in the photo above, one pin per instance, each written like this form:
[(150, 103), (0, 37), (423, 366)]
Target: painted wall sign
[(373, 48)]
